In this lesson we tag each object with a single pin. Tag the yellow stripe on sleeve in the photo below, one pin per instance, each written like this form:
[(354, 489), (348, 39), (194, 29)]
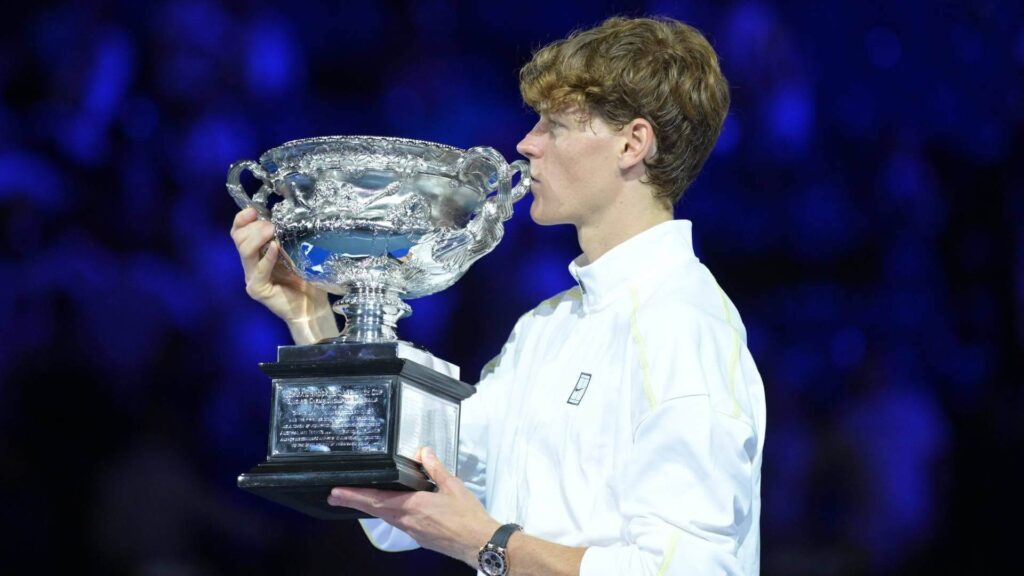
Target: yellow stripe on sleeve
[(670, 552), (641, 349)]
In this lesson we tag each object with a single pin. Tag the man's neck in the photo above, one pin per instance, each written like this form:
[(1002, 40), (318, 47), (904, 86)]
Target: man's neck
[(618, 223)]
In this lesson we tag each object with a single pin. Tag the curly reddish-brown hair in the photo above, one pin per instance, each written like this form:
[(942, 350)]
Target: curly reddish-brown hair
[(658, 69)]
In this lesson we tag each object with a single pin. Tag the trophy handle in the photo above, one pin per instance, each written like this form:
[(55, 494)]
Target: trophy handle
[(507, 195), (523, 168), (237, 192), (501, 203), (485, 229)]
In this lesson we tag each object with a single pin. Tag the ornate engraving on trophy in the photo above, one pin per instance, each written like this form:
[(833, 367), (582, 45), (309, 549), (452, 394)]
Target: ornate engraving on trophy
[(428, 420), (328, 418), (381, 220)]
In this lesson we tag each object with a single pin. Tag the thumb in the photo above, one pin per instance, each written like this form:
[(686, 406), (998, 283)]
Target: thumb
[(435, 468)]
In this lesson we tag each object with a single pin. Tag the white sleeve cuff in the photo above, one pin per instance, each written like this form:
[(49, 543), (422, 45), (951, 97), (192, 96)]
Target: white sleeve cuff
[(685, 555), (602, 561), (591, 565), (386, 537)]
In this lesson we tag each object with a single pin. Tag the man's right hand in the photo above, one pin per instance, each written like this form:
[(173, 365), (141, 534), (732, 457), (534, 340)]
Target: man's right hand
[(302, 306)]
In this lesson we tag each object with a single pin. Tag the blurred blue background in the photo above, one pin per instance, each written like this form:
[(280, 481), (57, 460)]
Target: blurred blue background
[(864, 208)]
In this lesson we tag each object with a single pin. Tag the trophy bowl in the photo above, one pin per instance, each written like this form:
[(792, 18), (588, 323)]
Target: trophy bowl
[(379, 220)]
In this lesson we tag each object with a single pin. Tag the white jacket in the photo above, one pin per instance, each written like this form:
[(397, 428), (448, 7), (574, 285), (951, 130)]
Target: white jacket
[(625, 415)]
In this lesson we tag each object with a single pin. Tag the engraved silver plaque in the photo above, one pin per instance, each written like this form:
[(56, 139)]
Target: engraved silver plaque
[(325, 418)]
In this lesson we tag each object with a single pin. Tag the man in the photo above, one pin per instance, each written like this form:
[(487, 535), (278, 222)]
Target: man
[(621, 427)]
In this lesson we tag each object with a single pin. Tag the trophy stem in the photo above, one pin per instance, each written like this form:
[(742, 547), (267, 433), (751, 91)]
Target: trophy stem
[(371, 313)]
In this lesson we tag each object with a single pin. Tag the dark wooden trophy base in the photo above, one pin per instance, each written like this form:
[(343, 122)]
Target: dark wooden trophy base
[(305, 460)]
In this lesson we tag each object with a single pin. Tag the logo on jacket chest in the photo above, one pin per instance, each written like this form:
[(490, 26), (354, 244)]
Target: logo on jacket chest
[(581, 388)]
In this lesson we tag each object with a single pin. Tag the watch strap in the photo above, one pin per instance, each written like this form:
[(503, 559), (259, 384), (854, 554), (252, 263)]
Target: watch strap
[(502, 535)]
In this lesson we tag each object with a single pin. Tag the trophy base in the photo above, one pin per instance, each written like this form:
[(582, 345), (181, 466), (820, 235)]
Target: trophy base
[(305, 486), (355, 415)]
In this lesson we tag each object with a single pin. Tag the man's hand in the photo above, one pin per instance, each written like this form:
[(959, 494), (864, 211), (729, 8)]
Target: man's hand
[(450, 521), (304, 307)]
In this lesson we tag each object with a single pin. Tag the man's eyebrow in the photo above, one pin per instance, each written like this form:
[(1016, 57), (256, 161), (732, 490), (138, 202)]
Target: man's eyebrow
[(558, 117), (569, 116), (548, 119)]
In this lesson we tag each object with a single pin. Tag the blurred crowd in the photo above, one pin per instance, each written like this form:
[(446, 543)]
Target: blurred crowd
[(864, 208)]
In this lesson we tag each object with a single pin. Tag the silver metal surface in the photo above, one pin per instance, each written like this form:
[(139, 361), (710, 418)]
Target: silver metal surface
[(378, 220), (428, 420), (327, 418)]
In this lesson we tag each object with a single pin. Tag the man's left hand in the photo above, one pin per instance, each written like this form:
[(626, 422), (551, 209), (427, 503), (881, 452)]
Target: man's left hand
[(450, 521)]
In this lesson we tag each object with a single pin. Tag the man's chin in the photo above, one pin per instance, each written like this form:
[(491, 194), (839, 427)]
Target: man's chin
[(541, 217)]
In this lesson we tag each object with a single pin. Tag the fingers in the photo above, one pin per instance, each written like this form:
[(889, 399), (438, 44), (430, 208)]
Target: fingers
[(243, 217), (249, 239), (379, 503), (245, 225), (383, 503), (435, 468), (259, 278)]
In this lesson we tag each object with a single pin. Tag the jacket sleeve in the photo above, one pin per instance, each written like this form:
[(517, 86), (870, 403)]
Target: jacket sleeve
[(688, 490), (479, 416), (386, 537), (475, 419), (687, 495)]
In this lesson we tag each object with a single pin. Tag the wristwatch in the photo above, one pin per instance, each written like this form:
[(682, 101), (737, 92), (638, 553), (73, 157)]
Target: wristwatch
[(493, 557)]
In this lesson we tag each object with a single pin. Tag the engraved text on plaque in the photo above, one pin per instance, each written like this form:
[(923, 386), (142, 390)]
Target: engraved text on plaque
[(331, 418)]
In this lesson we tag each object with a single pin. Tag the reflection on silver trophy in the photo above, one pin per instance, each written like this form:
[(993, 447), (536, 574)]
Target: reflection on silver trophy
[(382, 219), (376, 221)]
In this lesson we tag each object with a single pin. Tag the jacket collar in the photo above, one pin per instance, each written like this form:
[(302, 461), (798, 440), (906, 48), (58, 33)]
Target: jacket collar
[(640, 259)]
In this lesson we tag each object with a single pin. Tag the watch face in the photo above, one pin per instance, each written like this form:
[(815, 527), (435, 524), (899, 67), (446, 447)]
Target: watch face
[(492, 563)]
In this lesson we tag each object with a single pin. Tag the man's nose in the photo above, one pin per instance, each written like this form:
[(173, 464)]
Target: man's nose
[(528, 146)]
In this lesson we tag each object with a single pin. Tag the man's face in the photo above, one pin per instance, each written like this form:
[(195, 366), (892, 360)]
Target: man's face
[(574, 165)]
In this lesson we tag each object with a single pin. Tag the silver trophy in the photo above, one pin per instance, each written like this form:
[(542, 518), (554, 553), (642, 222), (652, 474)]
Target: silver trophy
[(376, 221)]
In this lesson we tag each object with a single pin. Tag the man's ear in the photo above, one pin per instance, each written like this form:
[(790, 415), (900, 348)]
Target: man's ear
[(638, 144)]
